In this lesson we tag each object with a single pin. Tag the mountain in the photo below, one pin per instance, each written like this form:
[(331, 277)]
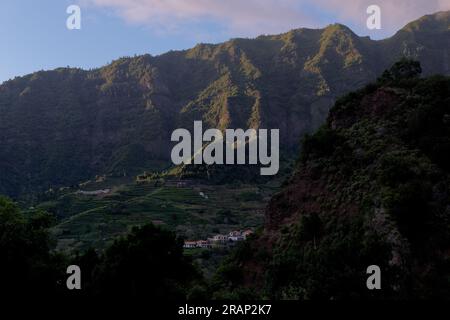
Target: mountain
[(63, 126), (371, 188)]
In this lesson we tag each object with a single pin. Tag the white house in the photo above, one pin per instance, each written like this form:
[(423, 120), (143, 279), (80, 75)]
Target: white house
[(235, 236), (203, 244), (190, 244)]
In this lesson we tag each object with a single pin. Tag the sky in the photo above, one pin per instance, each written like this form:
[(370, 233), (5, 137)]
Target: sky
[(34, 35)]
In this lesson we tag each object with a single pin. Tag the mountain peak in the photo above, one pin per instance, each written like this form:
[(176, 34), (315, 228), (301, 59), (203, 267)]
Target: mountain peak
[(436, 22), (338, 31), (338, 28)]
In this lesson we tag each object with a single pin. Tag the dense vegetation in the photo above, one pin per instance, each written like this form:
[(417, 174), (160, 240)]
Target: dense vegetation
[(95, 221), (61, 127), (26, 264), (149, 262), (371, 187)]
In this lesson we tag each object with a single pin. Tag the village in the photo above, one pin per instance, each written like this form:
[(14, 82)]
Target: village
[(219, 240)]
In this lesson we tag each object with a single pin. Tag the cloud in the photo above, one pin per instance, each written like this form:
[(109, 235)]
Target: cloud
[(252, 17), (238, 16), (394, 14)]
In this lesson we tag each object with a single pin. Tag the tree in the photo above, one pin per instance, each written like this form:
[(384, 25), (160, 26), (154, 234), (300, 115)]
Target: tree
[(403, 69), (149, 262), (26, 264)]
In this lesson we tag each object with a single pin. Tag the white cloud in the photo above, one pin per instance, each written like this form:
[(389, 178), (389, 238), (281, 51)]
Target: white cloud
[(244, 17), (252, 17), (394, 13)]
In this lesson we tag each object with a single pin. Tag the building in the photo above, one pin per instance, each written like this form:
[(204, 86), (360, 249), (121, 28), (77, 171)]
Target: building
[(236, 236), (203, 244), (190, 244), (197, 244), (219, 240)]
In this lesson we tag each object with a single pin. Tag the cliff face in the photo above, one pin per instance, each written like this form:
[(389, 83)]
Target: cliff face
[(60, 126), (371, 188)]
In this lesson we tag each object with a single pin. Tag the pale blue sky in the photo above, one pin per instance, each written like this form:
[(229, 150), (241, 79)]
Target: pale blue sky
[(34, 34)]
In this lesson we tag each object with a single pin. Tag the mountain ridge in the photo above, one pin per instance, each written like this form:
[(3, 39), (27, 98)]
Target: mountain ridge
[(66, 125)]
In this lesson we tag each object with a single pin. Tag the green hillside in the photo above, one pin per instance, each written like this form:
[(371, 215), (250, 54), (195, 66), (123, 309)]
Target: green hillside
[(65, 126), (371, 188), (196, 210)]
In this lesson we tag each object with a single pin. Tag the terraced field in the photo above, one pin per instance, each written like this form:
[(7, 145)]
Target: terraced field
[(195, 211)]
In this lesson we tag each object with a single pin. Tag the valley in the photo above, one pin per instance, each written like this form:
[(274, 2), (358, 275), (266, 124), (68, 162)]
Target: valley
[(362, 172), (194, 209)]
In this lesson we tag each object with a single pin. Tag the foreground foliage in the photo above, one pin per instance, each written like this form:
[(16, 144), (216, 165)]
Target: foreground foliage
[(147, 262), (372, 187)]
